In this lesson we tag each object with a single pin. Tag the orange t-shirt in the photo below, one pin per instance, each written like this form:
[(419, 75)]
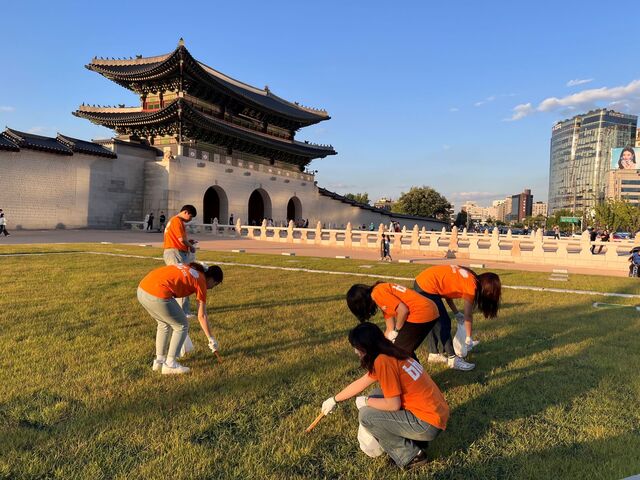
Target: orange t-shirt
[(448, 281), (417, 391), (173, 232), (389, 295), (175, 281)]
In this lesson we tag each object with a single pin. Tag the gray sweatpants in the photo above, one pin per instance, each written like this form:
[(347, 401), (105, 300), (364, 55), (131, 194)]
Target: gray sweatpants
[(173, 256), (173, 326)]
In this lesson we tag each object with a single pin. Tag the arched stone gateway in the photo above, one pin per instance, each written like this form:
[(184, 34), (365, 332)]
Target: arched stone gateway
[(259, 206), (294, 209), (215, 205)]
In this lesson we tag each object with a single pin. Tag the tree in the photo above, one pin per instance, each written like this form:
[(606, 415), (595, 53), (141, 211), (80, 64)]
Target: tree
[(618, 215), (461, 219), (358, 197), (423, 202)]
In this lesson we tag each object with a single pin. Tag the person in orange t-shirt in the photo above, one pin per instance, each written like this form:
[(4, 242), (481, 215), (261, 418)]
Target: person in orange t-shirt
[(407, 411), (177, 247), (157, 293), (409, 316), (451, 282)]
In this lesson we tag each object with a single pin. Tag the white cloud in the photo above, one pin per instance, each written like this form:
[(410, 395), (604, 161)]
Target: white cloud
[(624, 97), (446, 147), (454, 109), (340, 186), (579, 81), (6, 108), (485, 101)]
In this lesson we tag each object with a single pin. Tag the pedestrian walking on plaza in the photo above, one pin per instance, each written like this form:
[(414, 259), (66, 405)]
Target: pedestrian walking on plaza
[(385, 248), (162, 219), (231, 219), (450, 282), (177, 246), (604, 237), (408, 409), (371, 227), (3, 224), (158, 293), (150, 221), (408, 316), (556, 232), (593, 235)]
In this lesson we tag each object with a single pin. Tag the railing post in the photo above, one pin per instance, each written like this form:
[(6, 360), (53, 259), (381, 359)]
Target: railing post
[(290, 227), (538, 242), (263, 229), (238, 228), (509, 235), (347, 236), (585, 244), (318, 237), (494, 246), (415, 239), (214, 227)]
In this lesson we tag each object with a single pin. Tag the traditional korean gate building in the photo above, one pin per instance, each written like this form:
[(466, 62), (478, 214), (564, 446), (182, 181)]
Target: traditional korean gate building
[(199, 137)]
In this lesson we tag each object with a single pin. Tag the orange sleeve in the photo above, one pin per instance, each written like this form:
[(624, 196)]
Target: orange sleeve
[(388, 376)]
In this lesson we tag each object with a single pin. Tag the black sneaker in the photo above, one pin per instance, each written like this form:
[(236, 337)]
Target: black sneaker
[(418, 461)]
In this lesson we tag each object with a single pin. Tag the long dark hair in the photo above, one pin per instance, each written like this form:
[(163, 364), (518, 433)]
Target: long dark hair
[(360, 302), (369, 339), (214, 272), (488, 293)]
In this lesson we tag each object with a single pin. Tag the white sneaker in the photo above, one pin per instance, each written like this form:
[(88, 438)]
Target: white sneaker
[(157, 365), (436, 358), (473, 344), (458, 363), (175, 369), (190, 316)]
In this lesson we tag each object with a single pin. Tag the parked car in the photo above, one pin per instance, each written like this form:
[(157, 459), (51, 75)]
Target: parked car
[(619, 236)]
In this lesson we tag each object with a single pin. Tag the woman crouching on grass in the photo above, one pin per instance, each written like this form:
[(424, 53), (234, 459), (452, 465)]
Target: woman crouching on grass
[(409, 317), (407, 411), (157, 293)]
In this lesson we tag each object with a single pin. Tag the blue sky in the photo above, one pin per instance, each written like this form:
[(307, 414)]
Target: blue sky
[(460, 96)]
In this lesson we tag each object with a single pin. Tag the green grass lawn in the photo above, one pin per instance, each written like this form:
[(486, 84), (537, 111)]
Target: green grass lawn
[(554, 395)]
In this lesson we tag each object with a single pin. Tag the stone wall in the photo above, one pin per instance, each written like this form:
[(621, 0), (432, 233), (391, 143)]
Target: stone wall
[(171, 183), (47, 190)]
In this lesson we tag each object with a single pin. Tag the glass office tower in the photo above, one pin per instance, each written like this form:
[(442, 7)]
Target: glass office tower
[(580, 157)]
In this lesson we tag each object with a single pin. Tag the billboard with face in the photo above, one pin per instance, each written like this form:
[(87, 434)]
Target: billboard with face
[(623, 159)]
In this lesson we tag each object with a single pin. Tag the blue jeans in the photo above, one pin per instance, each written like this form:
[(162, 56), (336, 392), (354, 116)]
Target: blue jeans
[(173, 256), (396, 431)]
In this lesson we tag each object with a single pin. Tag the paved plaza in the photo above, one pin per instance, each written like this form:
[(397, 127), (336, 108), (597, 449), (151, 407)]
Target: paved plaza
[(130, 237)]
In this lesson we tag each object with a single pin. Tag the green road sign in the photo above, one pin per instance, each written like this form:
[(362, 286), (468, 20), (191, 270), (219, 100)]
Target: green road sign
[(569, 219)]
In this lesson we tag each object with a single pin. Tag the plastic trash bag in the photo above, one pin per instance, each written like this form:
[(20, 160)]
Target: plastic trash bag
[(187, 347), (368, 443), (459, 341)]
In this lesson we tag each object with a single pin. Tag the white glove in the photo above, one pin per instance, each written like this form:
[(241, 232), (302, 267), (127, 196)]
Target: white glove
[(392, 335), (460, 317), (213, 344), (470, 343), (328, 405), (361, 402)]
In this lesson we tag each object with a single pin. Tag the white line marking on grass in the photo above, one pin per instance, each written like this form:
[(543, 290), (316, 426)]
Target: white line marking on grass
[(331, 272)]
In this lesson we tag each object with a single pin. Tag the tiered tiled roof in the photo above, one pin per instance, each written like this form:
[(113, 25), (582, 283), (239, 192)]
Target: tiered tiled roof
[(62, 145), (181, 115), (178, 70)]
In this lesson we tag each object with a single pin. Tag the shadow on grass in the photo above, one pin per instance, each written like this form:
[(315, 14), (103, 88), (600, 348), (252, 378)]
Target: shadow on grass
[(278, 303)]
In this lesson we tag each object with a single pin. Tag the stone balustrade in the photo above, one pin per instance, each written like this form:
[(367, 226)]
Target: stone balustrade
[(490, 246)]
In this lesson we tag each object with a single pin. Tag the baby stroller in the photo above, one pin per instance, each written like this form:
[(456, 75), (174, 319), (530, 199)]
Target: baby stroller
[(634, 268)]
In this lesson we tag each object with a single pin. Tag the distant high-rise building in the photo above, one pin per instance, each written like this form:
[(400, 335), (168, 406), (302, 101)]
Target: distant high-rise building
[(521, 206), (580, 156), (539, 208)]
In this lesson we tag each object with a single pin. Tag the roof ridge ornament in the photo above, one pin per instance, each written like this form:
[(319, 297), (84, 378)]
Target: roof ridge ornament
[(181, 42)]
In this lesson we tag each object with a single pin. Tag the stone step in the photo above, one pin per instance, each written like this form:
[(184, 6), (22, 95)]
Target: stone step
[(288, 254), (343, 256), (238, 250)]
